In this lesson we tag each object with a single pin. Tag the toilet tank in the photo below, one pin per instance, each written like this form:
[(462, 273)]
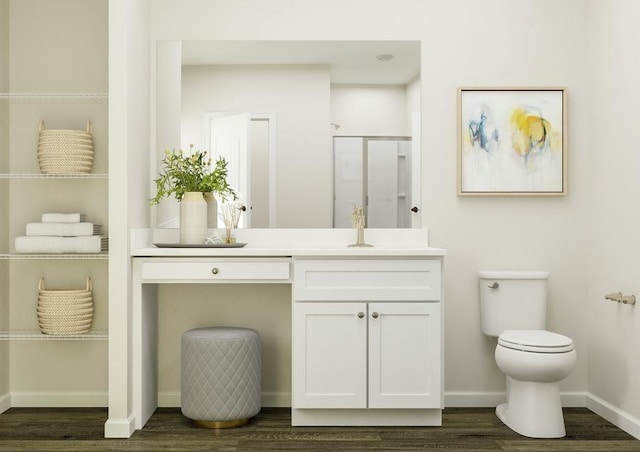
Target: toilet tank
[(512, 300)]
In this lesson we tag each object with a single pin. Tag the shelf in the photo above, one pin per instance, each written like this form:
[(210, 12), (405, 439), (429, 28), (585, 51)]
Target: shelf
[(53, 176), (36, 335), (73, 256), (55, 98)]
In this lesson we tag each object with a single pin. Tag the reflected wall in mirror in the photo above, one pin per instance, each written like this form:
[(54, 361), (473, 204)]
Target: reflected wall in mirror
[(298, 97)]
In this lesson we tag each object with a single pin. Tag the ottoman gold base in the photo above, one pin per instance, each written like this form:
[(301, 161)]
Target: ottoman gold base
[(222, 424)]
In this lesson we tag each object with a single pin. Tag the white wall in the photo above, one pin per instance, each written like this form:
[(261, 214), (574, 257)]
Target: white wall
[(4, 45), (64, 40), (130, 129), (463, 43), (299, 98), (414, 97), (370, 110), (4, 193), (535, 43), (613, 330), (502, 43)]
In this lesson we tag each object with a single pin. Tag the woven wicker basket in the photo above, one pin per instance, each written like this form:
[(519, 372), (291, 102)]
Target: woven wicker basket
[(65, 311), (65, 151)]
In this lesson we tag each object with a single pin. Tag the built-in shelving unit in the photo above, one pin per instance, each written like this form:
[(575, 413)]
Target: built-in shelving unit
[(99, 334), (68, 256), (54, 59), (43, 99), (53, 176), (55, 98)]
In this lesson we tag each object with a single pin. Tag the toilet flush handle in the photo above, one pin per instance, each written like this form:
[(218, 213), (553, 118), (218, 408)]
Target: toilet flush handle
[(495, 285)]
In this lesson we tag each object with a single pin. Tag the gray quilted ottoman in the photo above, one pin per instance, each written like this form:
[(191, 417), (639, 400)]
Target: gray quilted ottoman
[(220, 376)]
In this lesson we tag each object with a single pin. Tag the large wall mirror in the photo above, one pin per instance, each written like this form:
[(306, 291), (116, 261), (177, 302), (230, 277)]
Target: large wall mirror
[(312, 128)]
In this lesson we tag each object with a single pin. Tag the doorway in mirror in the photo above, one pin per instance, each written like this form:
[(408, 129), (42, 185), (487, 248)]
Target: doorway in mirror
[(247, 142)]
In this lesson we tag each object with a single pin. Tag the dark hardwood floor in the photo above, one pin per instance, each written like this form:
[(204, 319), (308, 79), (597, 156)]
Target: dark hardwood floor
[(464, 429)]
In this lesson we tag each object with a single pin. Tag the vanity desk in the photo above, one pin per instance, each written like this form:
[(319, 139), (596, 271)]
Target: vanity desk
[(366, 321)]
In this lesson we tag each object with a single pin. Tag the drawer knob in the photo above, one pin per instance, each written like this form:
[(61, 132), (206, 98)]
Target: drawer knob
[(360, 315), (375, 315), (215, 270)]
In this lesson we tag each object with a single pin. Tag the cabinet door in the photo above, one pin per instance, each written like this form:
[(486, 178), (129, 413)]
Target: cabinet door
[(330, 355), (404, 355)]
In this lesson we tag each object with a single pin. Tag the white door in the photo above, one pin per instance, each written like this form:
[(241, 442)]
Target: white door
[(330, 355), (230, 139), (404, 355)]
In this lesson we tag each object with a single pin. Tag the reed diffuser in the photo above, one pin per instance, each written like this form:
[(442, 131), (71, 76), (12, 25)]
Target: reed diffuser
[(231, 212)]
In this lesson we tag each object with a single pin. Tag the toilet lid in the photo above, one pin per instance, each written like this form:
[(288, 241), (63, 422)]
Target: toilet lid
[(538, 341)]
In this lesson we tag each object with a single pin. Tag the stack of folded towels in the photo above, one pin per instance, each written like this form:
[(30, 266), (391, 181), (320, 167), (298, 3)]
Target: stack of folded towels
[(62, 233)]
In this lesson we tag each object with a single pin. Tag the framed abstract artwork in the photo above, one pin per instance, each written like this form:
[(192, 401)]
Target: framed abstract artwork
[(512, 141)]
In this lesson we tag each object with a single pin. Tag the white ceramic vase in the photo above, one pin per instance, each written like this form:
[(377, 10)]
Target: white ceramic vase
[(212, 210), (193, 218)]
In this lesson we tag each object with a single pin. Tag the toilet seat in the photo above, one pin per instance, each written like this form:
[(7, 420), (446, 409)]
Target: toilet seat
[(535, 341)]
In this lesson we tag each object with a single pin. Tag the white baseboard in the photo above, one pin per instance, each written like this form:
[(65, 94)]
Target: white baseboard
[(616, 416), (169, 399), (455, 399), (269, 399), (59, 399), (5, 402), (119, 428), (492, 399)]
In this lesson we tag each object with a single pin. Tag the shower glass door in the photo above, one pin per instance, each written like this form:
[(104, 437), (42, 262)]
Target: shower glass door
[(374, 173)]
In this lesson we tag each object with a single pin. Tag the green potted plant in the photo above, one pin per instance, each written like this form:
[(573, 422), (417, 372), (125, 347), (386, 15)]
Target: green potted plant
[(192, 179), (192, 172)]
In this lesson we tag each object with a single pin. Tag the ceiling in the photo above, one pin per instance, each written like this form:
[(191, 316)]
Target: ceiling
[(349, 61)]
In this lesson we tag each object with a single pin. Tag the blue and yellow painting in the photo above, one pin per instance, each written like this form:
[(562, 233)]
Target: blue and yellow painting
[(511, 141)]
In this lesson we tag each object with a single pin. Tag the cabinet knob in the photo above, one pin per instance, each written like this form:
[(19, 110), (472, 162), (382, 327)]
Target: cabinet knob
[(375, 315), (215, 270), (414, 209), (360, 315)]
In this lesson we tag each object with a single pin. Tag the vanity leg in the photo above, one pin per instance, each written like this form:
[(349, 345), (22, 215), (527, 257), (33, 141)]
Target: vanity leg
[(145, 354)]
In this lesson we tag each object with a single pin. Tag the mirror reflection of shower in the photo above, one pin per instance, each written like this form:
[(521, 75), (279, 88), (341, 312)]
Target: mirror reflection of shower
[(375, 173)]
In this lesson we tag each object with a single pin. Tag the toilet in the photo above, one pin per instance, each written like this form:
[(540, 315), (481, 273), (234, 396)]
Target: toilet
[(513, 307)]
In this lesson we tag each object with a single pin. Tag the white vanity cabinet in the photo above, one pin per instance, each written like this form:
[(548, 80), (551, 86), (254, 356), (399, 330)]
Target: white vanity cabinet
[(366, 324), (367, 336)]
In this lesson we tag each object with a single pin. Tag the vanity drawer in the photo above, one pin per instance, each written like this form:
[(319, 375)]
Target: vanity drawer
[(222, 270), (367, 280)]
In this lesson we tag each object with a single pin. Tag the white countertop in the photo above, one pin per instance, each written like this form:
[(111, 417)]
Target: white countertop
[(293, 242), (297, 252)]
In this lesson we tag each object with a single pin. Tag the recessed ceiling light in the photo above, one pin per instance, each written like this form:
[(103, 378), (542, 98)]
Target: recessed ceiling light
[(384, 57)]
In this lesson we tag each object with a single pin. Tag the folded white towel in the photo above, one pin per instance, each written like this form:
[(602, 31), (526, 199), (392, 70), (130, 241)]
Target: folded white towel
[(60, 245), (62, 217), (63, 229)]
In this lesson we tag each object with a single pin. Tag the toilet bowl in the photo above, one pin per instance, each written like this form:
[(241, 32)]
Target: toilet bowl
[(534, 362)]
